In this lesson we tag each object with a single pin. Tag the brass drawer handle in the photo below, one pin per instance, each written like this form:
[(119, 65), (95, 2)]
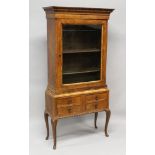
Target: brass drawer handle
[(96, 98), (69, 109), (96, 104)]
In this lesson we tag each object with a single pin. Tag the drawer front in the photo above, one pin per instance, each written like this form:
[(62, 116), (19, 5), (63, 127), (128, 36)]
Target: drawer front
[(96, 96), (69, 110), (69, 101), (69, 106), (98, 101)]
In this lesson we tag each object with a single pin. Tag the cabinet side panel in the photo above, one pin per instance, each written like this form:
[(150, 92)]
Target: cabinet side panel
[(104, 51), (51, 52)]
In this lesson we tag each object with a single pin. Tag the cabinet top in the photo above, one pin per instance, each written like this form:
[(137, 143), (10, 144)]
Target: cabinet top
[(57, 9)]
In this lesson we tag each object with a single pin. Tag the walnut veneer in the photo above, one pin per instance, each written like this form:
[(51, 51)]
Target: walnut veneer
[(77, 51)]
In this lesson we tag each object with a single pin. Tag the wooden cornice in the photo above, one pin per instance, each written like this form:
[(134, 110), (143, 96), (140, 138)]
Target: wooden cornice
[(77, 10)]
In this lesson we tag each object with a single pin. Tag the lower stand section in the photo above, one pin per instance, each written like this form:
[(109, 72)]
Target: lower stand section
[(54, 125)]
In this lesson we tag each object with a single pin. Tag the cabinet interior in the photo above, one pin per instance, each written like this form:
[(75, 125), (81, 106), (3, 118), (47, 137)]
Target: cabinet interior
[(81, 53)]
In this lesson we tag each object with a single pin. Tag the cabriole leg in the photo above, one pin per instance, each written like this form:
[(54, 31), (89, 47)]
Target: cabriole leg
[(47, 125), (95, 119), (108, 113), (54, 125)]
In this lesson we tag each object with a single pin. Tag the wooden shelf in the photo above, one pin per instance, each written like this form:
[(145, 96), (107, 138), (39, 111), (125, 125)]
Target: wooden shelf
[(81, 51), (80, 30), (82, 71)]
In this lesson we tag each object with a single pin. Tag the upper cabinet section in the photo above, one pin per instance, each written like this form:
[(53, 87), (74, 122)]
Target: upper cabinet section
[(77, 12)]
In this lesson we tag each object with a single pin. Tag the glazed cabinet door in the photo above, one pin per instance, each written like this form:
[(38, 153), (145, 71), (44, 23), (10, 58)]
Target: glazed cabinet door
[(82, 53)]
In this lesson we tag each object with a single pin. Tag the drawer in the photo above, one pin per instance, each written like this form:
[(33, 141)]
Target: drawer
[(68, 110), (68, 101), (100, 105), (96, 97), (97, 101), (68, 105)]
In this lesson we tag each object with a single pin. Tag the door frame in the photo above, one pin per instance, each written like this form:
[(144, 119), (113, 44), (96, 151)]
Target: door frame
[(59, 54)]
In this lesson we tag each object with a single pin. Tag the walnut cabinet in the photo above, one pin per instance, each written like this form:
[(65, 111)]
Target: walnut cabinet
[(77, 51)]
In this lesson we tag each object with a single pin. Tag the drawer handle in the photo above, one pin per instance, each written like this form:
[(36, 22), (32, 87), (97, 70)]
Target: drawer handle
[(95, 105), (69, 109), (96, 98)]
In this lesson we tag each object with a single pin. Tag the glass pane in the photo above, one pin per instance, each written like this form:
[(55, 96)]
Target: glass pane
[(81, 53)]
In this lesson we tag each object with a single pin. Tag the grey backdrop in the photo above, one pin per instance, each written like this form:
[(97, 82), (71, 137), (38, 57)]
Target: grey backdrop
[(78, 134)]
